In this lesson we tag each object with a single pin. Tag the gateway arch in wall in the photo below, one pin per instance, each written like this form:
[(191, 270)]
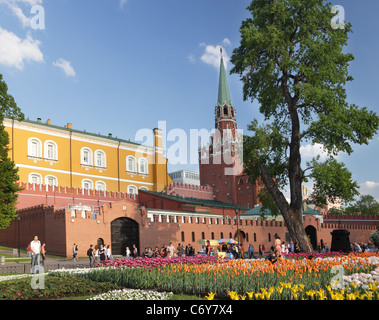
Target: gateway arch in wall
[(124, 233)]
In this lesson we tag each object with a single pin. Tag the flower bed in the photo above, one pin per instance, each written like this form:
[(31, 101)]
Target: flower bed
[(310, 255), (133, 294), (353, 276), (150, 263), (256, 278)]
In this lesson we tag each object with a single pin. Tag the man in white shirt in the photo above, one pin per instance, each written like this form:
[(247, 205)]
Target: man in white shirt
[(35, 247)]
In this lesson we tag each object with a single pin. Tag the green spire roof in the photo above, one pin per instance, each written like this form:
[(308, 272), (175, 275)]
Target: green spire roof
[(223, 88)]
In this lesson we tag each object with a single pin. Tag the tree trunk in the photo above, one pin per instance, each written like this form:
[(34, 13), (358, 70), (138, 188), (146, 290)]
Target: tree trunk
[(292, 217), (295, 226)]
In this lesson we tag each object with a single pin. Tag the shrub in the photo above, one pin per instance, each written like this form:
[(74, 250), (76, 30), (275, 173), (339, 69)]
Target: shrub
[(54, 287)]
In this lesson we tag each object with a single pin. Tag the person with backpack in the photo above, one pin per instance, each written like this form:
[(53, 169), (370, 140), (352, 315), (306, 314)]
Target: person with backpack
[(90, 255)]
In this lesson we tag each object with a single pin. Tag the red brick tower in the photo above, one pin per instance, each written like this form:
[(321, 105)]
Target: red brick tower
[(220, 161)]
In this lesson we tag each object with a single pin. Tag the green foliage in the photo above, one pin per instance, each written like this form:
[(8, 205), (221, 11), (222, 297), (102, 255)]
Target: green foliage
[(8, 106), (365, 205), (8, 172), (374, 238), (293, 63), (54, 287), (334, 179)]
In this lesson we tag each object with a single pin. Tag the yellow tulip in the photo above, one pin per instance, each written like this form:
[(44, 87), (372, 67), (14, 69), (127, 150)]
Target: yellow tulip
[(210, 296), (279, 289)]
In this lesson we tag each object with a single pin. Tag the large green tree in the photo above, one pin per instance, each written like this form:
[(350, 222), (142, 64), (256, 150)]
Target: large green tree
[(291, 60), (366, 204), (8, 171)]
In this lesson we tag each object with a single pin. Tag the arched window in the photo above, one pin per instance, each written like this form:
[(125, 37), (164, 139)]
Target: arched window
[(193, 236), (182, 236), (51, 181), (203, 236), (35, 178), (100, 186), (86, 157), (50, 150), (35, 148), (87, 184), (132, 190), (225, 110), (100, 159), (131, 165), (143, 167)]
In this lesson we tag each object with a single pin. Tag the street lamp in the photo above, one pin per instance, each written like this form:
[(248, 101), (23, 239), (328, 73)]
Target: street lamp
[(18, 235)]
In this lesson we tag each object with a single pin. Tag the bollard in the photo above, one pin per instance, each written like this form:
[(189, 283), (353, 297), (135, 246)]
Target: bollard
[(2, 260)]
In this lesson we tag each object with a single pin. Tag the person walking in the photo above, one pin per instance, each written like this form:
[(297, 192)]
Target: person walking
[(28, 251), (90, 255), (96, 253), (135, 251), (43, 252), (35, 247), (278, 244), (73, 251), (170, 250), (102, 253), (127, 253), (251, 251), (76, 250), (109, 253)]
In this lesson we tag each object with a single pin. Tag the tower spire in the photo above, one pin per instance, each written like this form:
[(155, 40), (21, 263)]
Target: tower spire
[(223, 88)]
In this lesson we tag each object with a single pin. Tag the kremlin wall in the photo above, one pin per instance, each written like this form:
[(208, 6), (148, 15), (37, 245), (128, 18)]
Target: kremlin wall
[(62, 216)]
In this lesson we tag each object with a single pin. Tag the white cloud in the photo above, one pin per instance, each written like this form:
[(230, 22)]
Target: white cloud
[(15, 8), (14, 51), (370, 188), (212, 55), (66, 67), (313, 150), (370, 184), (226, 42), (123, 3)]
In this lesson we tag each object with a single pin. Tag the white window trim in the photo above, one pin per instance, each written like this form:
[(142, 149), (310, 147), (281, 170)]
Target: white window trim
[(87, 180), (146, 172), (100, 182), (51, 176), (134, 170), (34, 174), (46, 150), (39, 148), (132, 186), (90, 160), (103, 164)]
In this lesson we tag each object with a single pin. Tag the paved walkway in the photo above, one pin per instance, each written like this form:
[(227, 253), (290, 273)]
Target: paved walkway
[(51, 263)]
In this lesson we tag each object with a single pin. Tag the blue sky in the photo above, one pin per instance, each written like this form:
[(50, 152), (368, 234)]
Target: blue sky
[(114, 66)]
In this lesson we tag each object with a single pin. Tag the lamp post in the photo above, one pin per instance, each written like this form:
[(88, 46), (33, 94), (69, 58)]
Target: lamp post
[(18, 235), (238, 217)]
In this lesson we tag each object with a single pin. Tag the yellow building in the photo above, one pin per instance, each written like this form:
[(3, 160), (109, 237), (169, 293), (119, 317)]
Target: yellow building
[(53, 155)]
